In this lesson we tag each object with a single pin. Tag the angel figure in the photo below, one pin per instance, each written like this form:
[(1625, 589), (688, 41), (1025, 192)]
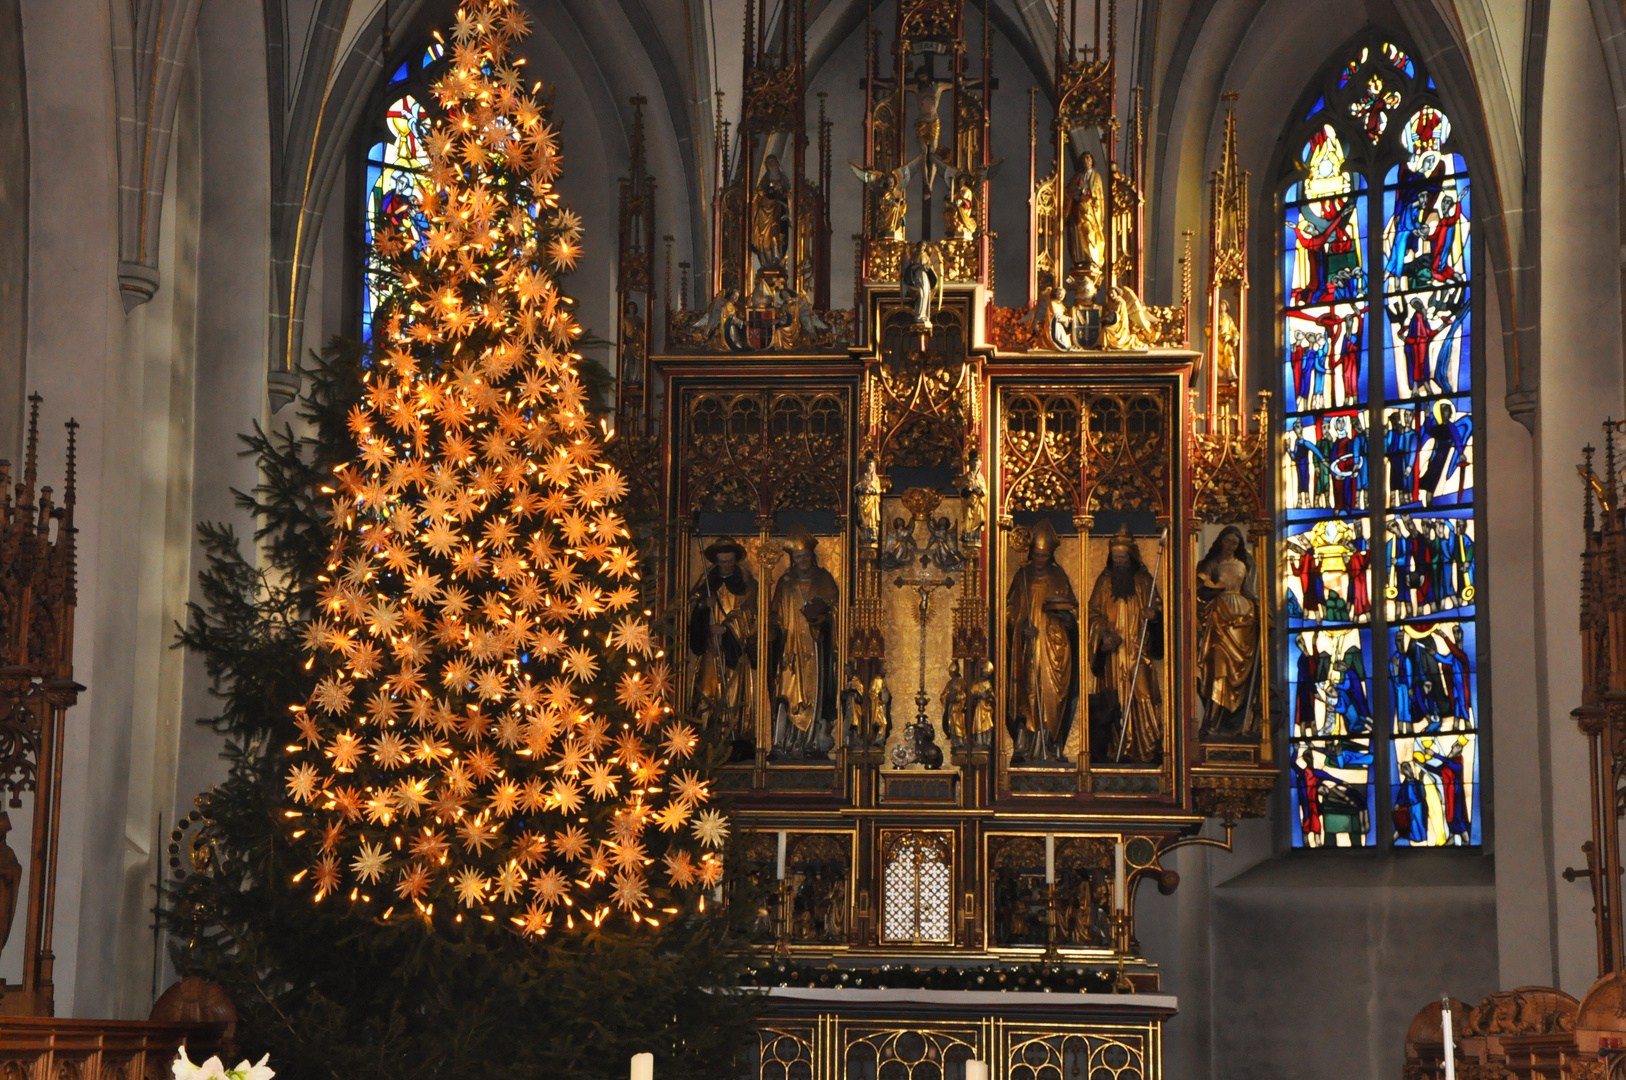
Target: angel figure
[(943, 546), (901, 549), (722, 324), (893, 188), (1129, 328), (960, 208)]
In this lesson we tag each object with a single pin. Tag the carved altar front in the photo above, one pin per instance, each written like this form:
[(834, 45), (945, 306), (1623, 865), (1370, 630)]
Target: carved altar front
[(972, 592)]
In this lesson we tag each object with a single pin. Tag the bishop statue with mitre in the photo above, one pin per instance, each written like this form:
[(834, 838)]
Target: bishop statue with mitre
[(1041, 613)]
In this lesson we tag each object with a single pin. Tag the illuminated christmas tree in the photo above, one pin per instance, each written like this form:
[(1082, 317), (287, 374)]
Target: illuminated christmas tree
[(489, 731)]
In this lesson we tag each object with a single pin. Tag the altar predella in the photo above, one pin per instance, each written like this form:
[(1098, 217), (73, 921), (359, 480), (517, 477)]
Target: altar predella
[(969, 579)]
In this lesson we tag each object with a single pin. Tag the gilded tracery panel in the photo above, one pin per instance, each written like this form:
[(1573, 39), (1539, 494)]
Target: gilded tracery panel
[(761, 451)]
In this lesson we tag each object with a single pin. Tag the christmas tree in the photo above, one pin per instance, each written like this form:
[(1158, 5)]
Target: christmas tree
[(463, 829), (490, 731)]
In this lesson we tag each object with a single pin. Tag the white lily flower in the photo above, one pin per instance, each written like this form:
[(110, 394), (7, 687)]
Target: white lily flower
[(258, 1071), (213, 1069)]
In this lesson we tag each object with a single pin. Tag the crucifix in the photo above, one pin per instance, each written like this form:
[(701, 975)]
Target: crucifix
[(928, 93), (921, 744)]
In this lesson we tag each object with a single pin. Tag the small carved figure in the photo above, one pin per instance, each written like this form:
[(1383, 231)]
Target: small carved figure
[(852, 709), (632, 345), (11, 877), (973, 501), (979, 707), (893, 200), (960, 209), (867, 495), (922, 281), (1061, 321), (953, 702), (1086, 232), (1230, 339), (943, 545), (770, 214), (880, 712), (901, 549)]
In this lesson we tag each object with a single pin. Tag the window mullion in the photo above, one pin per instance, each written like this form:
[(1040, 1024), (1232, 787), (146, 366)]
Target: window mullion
[(1377, 504)]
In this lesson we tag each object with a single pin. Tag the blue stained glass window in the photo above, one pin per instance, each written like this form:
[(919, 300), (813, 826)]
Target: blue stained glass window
[(1377, 563), (393, 169)]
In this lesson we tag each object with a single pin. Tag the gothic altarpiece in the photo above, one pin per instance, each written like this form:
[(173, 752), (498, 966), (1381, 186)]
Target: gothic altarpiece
[(972, 590)]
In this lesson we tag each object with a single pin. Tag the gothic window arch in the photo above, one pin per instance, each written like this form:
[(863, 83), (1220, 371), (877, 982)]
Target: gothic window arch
[(395, 158), (1379, 375)]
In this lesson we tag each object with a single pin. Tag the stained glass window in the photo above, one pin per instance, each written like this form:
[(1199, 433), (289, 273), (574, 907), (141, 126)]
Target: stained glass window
[(1377, 493), (393, 167)]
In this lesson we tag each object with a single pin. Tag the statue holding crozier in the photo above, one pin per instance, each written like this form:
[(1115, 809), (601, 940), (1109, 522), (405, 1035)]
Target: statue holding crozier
[(1125, 637), (1041, 613), (802, 672), (723, 641)]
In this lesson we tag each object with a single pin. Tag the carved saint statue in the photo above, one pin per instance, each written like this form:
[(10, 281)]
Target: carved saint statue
[(1227, 635), (979, 706), (880, 712), (11, 878), (723, 639), (770, 214), (960, 209), (802, 619), (1086, 232), (632, 344), (867, 496), (1229, 340), (852, 709), (1125, 612), (952, 699), (1042, 635), (973, 501), (922, 281), (895, 204), (892, 198)]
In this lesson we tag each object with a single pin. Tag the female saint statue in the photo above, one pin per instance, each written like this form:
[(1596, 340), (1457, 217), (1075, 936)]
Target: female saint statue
[(1228, 635)]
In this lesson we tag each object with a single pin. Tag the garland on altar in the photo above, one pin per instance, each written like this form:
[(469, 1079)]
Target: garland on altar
[(462, 833)]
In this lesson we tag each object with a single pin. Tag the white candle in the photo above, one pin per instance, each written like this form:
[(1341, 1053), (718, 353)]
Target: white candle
[(1120, 901), (781, 854), (976, 1070), (1049, 858), (1450, 1041), (643, 1067)]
